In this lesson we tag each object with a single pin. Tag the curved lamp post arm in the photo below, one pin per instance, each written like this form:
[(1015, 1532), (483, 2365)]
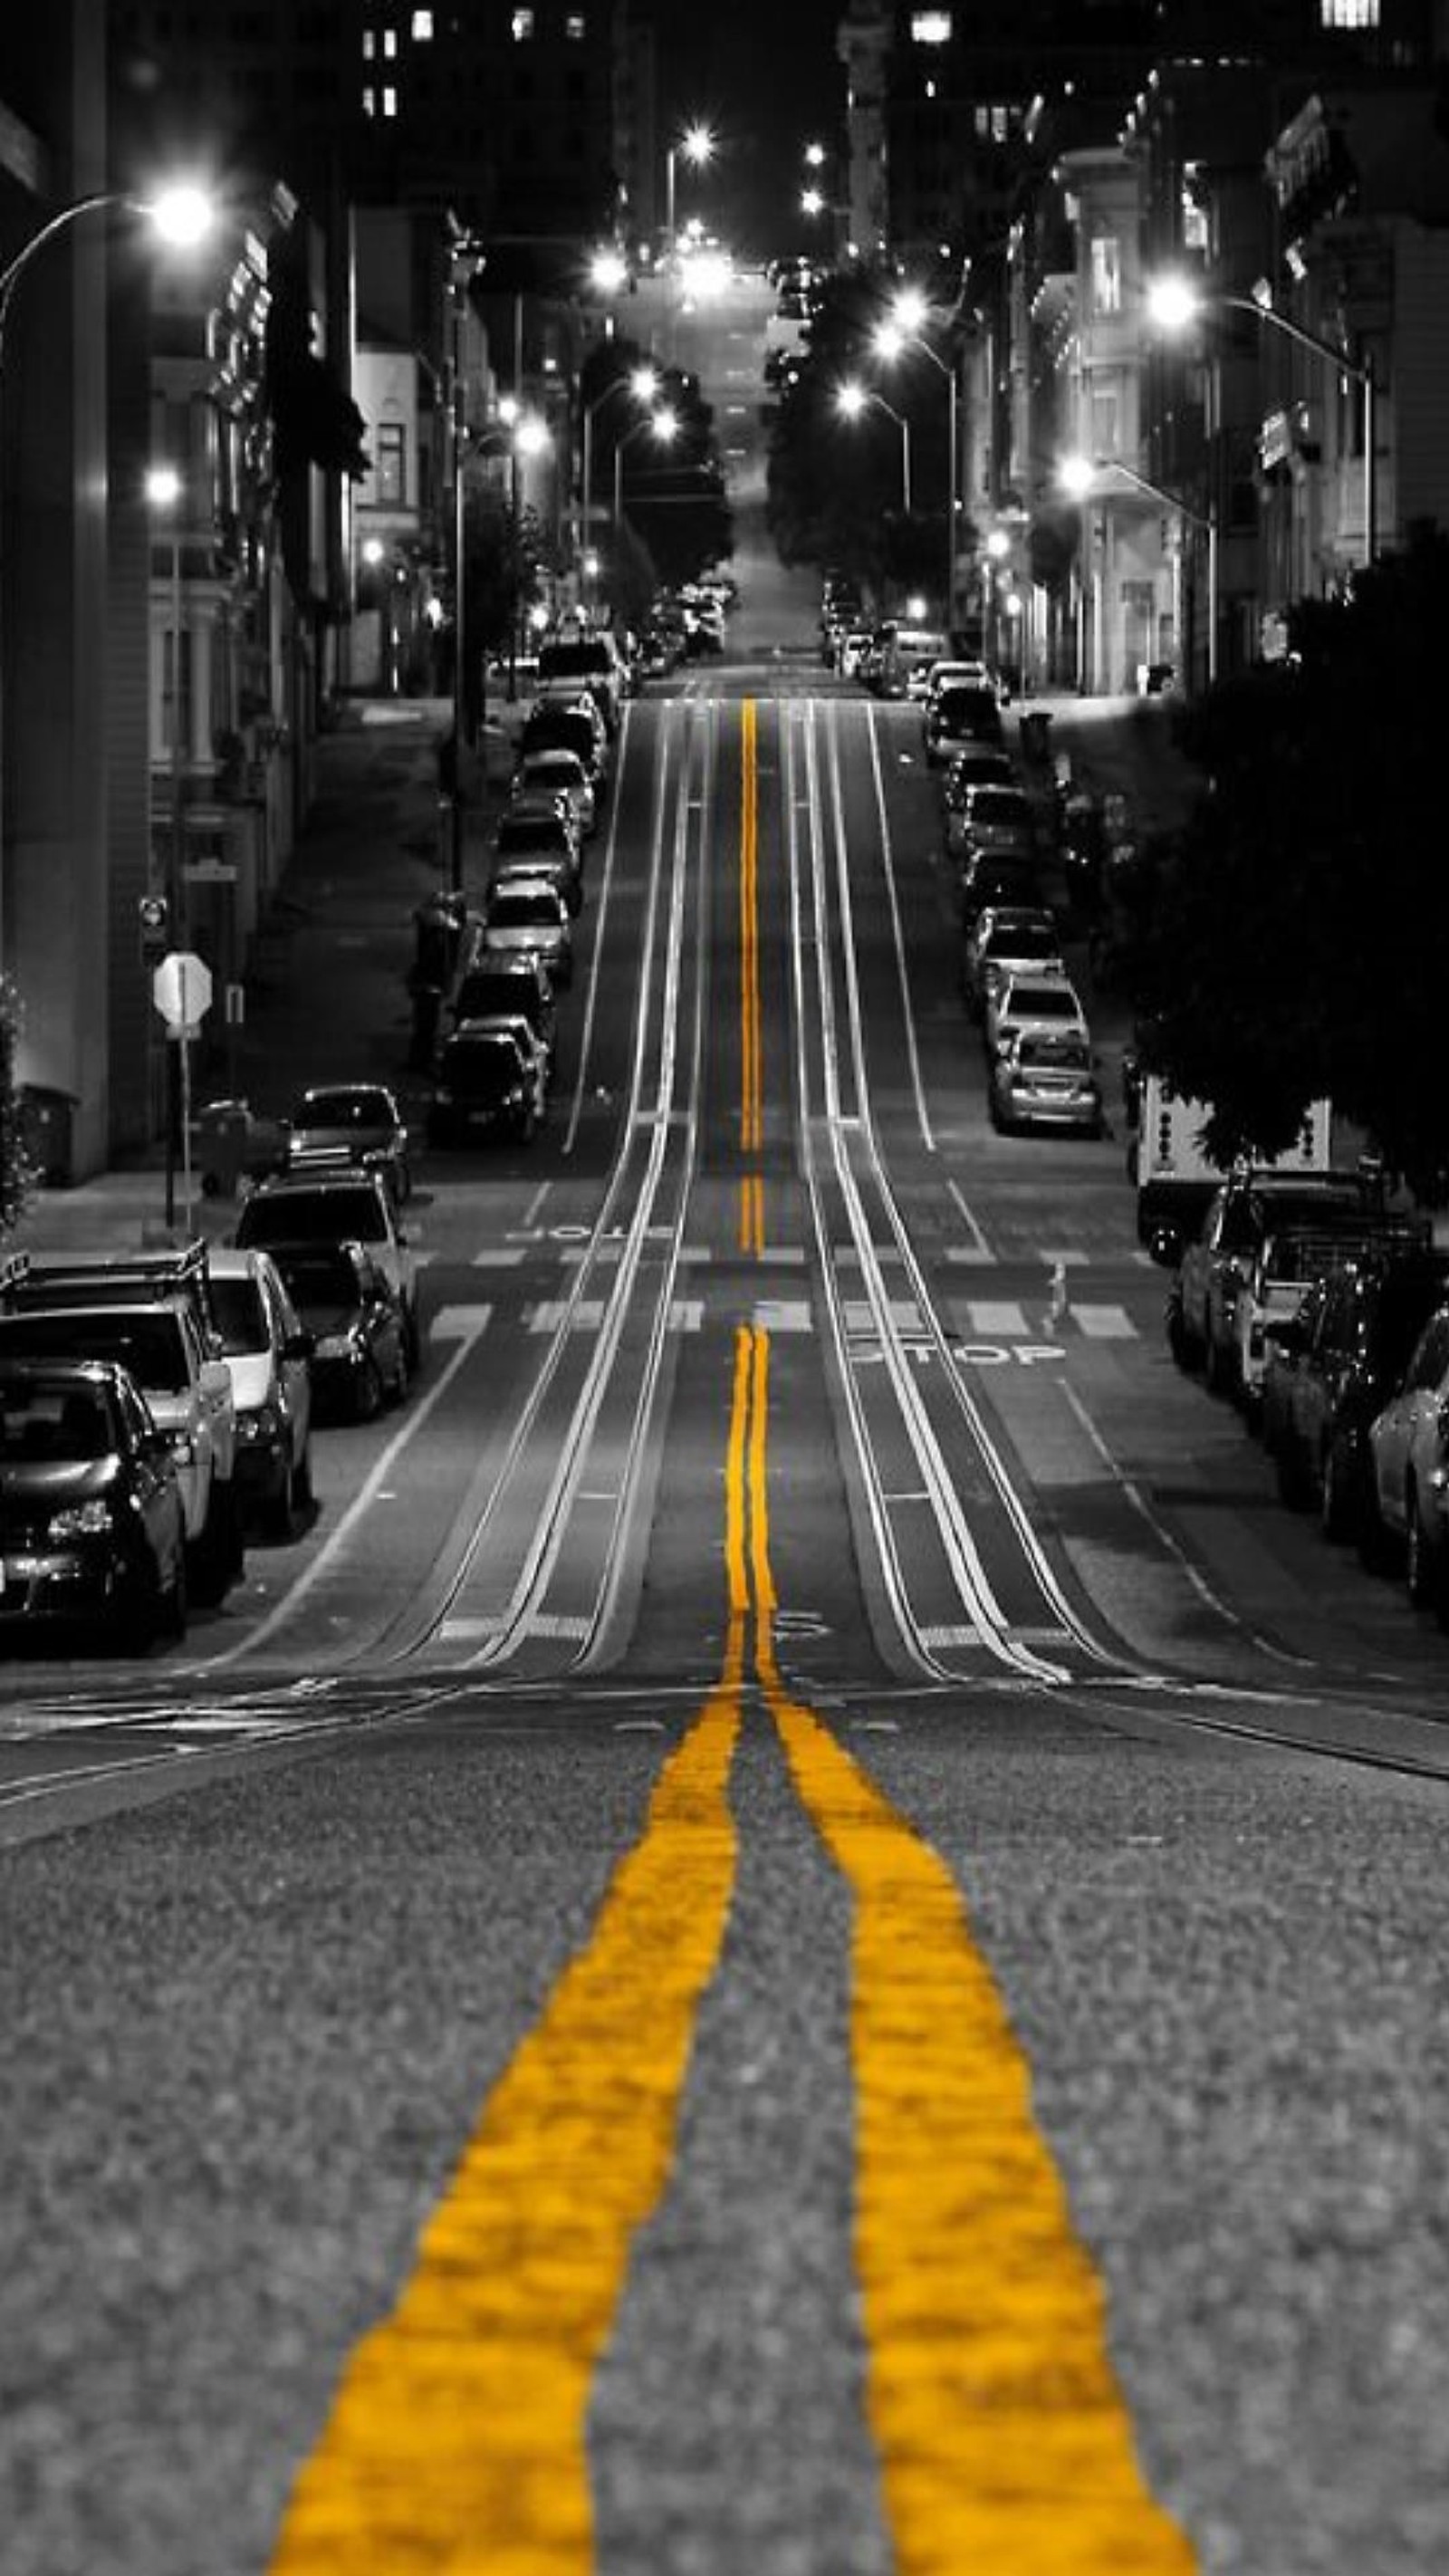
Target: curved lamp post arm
[(1362, 372)]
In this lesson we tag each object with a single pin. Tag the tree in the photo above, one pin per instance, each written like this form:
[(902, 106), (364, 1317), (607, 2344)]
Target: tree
[(1296, 939)]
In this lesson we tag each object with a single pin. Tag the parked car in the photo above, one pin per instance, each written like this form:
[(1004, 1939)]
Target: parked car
[(533, 868), (531, 918), (508, 985), (568, 725), (354, 1316), (539, 833), (492, 1077), (1202, 1305), (1007, 939), (554, 771), (1046, 1078), (92, 1524), (1030, 999), (1409, 1451), (1337, 1363), (979, 767), (587, 661), (989, 879), (269, 1353), (291, 1213), (150, 1313), (338, 1124), (1288, 1261), (964, 711), (997, 821)]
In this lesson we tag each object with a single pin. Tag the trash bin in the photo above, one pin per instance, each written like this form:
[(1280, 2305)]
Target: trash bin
[(47, 1121), (1035, 727)]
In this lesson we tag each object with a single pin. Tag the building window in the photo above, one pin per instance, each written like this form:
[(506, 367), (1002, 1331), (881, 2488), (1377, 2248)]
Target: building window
[(576, 26), (369, 101), (931, 27), (389, 102), (525, 26), (1348, 13), (389, 43), (422, 26), (1104, 424), (1106, 273), (369, 44), (389, 470)]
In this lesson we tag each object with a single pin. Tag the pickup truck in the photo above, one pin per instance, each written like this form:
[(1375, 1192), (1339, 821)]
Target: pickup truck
[(1214, 1271)]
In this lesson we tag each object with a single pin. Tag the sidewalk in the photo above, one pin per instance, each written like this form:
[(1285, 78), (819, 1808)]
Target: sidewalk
[(326, 992)]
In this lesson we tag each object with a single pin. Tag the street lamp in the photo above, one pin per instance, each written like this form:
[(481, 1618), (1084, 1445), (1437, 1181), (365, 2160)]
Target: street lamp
[(663, 425), (164, 492), (180, 216), (643, 384), (1078, 474), (904, 330), (698, 146), (1173, 303), (851, 401)]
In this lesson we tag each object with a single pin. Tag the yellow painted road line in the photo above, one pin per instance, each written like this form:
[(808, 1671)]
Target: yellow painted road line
[(457, 2439), (750, 1120), (1005, 2441)]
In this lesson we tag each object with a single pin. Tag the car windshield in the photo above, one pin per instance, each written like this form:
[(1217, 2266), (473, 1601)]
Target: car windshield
[(312, 1216), (480, 996), (346, 1108), (573, 661), (532, 832), (320, 1279), (999, 805), (1028, 944), (1054, 1055), (525, 912), (151, 1346), (54, 1421), (241, 1316), (1042, 1002)]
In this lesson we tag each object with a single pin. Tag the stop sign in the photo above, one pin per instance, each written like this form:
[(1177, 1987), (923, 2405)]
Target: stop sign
[(181, 989)]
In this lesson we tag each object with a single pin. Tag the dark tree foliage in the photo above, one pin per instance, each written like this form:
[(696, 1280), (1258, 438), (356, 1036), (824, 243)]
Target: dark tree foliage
[(1296, 943), (502, 557), (675, 496)]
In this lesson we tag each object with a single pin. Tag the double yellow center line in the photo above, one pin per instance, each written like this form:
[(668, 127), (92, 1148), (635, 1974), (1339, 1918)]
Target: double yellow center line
[(458, 2438), (752, 1187)]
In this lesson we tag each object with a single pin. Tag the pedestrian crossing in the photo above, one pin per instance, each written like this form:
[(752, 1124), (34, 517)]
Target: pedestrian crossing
[(973, 1320)]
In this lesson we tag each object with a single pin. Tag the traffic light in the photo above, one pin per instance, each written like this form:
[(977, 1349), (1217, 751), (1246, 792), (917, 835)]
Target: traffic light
[(154, 914)]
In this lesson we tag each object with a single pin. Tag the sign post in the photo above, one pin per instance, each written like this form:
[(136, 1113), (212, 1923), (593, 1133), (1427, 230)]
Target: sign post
[(181, 991)]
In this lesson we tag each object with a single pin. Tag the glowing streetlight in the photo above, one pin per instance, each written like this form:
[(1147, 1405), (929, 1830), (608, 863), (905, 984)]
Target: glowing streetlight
[(698, 146), (1174, 303), (662, 425), (904, 328), (608, 272), (643, 384), (852, 399)]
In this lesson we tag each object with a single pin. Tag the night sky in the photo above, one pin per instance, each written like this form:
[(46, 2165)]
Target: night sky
[(764, 73)]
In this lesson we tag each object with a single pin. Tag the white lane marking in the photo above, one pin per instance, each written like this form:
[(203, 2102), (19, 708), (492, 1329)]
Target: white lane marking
[(1103, 1323), (996, 1319), (311, 1575)]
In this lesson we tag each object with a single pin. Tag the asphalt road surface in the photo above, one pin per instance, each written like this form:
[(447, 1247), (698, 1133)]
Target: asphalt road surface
[(802, 1934)]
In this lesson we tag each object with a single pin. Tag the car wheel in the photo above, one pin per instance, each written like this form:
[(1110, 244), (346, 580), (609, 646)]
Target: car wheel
[(1183, 1343), (280, 1516), (176, 1603), (413, 1341), (1292, 1478), (212, 1557), (1423, 1572), (1378, 1545), (401, 1378), (1337, 1503), (1218, 1370), (368, 1396)]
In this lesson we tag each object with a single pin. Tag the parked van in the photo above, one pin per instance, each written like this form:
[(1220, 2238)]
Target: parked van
[(909, 654)]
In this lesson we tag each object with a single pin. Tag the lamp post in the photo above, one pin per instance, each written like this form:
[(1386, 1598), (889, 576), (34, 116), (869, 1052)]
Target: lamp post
[(1077, 476), (1174, 302), (164, 492), (904, 331), (697, 145), (851, 401), (663, 425), (643, 384), (181, 216)]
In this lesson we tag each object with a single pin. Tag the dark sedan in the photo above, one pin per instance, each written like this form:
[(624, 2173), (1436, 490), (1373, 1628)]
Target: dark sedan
[(359, 1334), (92, 1529)]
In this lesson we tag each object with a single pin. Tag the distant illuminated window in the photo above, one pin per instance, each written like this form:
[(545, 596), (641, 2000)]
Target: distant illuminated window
[(525, 26), (389, 43), (931, 27), (369, 101), (1348, 13), (576, 26), (1106, 274), (389, 471), (422, 25), (389, 102), (369, 44)]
